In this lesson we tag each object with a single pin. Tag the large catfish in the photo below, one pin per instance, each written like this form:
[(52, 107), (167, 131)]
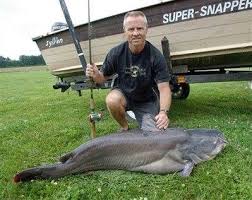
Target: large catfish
[(162, 152)]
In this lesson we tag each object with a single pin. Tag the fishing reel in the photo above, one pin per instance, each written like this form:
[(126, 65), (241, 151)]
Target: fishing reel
[(95, 117)]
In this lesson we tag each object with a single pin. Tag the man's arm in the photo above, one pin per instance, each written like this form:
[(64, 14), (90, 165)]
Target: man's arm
[(162, 120), (165, 96)]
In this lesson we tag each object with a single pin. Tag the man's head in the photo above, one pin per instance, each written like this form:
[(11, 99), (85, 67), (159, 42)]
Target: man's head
[(135, 29)]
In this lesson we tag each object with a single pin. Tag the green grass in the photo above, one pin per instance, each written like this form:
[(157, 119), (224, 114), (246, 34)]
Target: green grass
[(38, 124)]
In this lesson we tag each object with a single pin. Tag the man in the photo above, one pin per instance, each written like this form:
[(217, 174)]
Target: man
[(142, 73)]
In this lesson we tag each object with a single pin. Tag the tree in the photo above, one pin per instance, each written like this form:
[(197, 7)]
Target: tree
[(24, 60), (4, 62)]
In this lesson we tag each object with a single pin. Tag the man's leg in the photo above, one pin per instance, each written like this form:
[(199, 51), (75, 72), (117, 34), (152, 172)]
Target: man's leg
[(116, 104), (145, 114)]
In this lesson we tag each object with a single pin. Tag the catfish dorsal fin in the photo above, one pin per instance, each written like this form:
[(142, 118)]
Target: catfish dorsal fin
[(66, 157)]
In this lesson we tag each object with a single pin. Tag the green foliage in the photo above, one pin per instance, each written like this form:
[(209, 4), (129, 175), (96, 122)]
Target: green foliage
[(24, 60), (38, 124)]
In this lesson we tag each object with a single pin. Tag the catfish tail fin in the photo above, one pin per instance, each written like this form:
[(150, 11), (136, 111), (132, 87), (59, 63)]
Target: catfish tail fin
[(27, 175), (42, 172)]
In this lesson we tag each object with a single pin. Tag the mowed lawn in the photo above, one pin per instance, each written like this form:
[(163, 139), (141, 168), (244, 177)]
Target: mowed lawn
[(38, 124)]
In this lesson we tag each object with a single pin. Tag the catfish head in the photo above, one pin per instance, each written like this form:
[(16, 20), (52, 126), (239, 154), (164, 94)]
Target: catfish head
[(204, 144)]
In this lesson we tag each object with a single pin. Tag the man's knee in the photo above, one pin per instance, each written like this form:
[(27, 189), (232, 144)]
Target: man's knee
[(112, 100), (115, 99)]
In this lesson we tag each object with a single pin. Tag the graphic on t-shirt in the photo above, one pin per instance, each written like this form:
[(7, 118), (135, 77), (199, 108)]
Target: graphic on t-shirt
[(135, 71)]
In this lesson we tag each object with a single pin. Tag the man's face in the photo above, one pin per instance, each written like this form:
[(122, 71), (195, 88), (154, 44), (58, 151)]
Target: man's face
[(135, 31)]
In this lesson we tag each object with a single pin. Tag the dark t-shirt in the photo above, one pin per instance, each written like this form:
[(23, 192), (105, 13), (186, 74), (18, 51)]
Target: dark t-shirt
[(138, 74)]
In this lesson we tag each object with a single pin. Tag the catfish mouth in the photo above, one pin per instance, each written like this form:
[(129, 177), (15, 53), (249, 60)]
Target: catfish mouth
[(220, 145)]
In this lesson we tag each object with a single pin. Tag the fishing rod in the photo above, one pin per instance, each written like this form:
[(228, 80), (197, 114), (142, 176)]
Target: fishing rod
[(93, 116), (73, 34)]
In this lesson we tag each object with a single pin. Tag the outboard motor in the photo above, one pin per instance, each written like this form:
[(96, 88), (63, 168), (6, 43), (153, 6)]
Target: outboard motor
[(58, 26)]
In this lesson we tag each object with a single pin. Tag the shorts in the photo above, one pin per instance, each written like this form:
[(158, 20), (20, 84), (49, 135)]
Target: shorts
[(145, 112)]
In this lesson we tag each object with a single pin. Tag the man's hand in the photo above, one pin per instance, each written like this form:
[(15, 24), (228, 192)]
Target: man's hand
[(162, 120), (92, 71)]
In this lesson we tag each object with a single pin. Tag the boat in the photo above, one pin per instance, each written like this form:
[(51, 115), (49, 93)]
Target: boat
[(205, 39)]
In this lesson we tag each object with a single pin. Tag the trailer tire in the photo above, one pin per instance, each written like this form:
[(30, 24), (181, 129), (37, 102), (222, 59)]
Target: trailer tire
[(182, 91)]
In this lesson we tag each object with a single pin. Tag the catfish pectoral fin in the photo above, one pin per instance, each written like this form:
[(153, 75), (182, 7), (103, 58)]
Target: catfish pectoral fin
[(187, 169)]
